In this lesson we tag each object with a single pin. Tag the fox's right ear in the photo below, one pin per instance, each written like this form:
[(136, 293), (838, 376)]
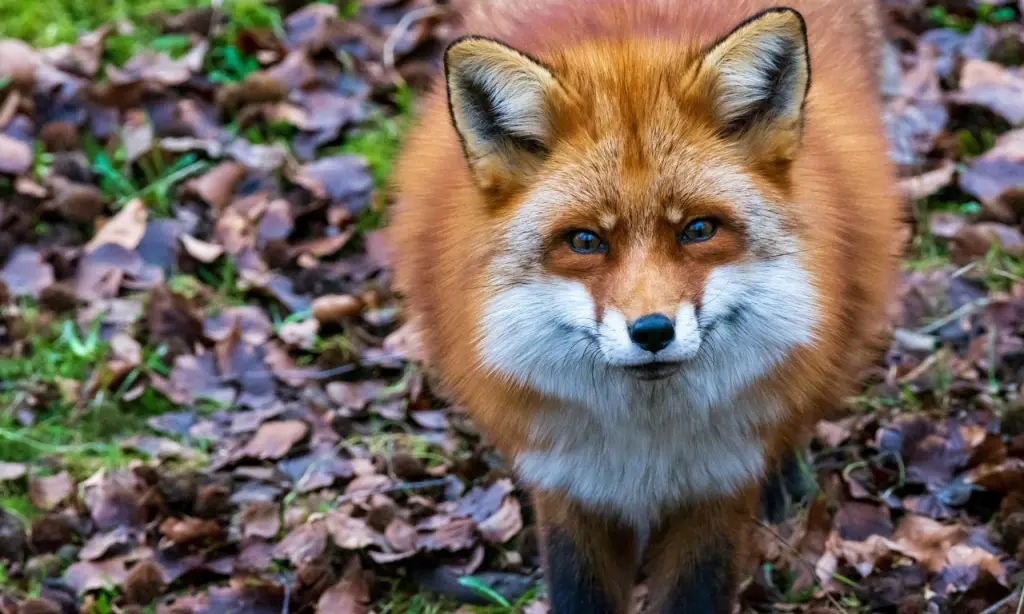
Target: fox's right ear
[(500, 103)]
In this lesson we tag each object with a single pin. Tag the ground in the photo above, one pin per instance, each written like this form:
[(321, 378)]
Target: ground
[(209, 401)]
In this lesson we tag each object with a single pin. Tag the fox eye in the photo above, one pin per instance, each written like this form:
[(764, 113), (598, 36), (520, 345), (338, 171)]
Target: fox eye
[(585, 242), (698, 230)]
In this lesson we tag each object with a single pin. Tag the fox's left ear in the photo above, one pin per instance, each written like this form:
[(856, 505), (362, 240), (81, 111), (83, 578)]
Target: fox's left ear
[(760, 74), (501, 102)]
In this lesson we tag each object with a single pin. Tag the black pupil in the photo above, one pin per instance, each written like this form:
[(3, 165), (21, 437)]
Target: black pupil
[(699, 229), (584, 241)]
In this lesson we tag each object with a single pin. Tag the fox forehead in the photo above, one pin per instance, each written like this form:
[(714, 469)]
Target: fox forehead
[(601, 182)]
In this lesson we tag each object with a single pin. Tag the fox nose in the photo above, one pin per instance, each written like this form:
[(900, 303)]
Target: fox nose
[(653, 332)]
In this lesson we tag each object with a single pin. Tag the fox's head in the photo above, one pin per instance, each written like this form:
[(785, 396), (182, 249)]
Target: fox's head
[(638, 195)]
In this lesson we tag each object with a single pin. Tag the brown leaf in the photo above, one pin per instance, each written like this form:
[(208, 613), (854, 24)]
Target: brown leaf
[(115, 500), (343, 179), (83, 57), (505, 524), (276, 222), (18, 62), (274, 440), (136, 135), (401, 535), (349, 596), (997, 177), (857, 521), (975, 241), (145, 582), (990, 85), (217, 186), (125, 229), (310, 26), (349, 533), (296, 70), (187, 531), (100, 545), (76, 201), (926, 184), (454, 536), (260, 520), (251, 323), (305, 544), (156, 68), (49, 492), (26, 273), (927, 541), (15, 156), (86, 576), (257, 88)]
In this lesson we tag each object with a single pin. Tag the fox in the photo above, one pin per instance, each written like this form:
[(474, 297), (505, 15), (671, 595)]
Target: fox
[(648, 244)]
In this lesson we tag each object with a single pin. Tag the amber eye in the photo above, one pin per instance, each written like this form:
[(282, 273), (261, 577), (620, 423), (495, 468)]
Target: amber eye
[(585, 242), (698, 230)]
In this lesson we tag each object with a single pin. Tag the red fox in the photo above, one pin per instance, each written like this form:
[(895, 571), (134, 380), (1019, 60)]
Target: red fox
[(647, 243)]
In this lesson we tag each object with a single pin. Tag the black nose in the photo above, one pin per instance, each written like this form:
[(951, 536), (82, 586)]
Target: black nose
[(653, 332)]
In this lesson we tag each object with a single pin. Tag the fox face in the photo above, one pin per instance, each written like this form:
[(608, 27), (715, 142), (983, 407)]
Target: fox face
[(642, 241)]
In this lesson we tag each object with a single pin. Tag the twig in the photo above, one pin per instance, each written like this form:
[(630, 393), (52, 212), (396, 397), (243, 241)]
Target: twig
[(286, 602), (402, 27), (393, 488), (1018, 595), (965, 310), (810, 566)]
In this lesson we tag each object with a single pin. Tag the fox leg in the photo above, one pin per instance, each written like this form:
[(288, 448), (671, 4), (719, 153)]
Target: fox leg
[(784, 482), (590, 560), (693, 557)]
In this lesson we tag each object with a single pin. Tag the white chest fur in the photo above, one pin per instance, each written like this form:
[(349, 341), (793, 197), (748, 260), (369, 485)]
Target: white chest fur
[(637, 468)]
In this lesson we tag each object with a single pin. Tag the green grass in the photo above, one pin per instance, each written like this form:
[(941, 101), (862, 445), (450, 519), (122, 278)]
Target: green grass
[(80, 434), (45, 23)]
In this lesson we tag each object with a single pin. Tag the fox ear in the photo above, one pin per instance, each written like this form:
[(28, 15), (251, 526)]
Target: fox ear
[(500, 103), (760, 74)]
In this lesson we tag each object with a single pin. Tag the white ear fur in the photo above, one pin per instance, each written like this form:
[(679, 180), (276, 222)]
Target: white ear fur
[(761, 72), (499, 102)]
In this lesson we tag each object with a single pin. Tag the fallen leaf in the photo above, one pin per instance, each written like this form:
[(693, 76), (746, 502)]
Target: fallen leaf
[(217, 186), (349, 596), (274, 440), (993, 86), (505, 524), (260, 520), (349, 533), (46, 493), (15, 156), (306, 543), (188, 531), (997, 177), (26, 273), (86, 576), (125, 229)]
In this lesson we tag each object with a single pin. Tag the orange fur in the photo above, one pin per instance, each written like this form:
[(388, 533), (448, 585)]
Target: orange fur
[(632, 127)]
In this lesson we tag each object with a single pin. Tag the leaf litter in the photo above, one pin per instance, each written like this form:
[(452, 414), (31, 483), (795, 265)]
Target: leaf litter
[(193, 237)]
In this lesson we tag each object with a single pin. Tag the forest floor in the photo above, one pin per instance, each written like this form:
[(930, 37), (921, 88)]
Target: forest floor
[(209, 401)]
